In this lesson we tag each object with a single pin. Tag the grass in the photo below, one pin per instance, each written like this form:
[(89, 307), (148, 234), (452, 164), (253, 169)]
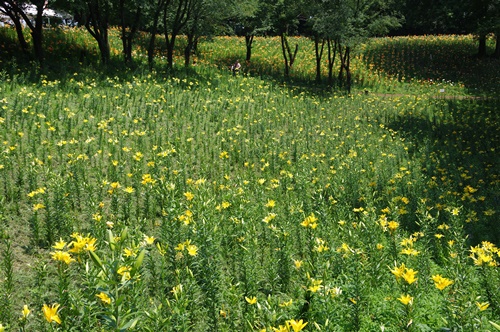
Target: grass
[(198, 201)]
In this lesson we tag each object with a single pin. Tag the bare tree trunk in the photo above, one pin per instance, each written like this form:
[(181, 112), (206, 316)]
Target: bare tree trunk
[(482, 46), (342, 61), (128, 31), (97, 25), (154, 31), (248, 44), (496, 54), (182, 13), (15, 12), (331, 59), (36, 32), (345, 65), (188, 50), (288, 56), (20, 35), (319, 54), (348, 68)]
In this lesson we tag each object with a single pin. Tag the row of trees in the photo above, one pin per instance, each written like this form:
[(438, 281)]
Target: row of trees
[(480, 17), (336, 26)]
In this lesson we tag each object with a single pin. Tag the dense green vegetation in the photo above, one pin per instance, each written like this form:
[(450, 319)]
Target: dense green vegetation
[(195, 200)]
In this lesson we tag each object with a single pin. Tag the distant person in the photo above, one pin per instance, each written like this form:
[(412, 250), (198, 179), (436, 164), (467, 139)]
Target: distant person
[(235, 68)]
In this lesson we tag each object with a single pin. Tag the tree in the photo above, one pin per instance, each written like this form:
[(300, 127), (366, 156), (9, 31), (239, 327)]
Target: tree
[(284, 20), (176, 14), (130, 12), (96, 16), (320, 38), (18, 12), (153, 9), (11, 11), (249, 17), (485, 18), (347, 23)]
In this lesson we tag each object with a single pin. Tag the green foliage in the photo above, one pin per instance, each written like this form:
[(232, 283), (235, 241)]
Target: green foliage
[(202, 201)]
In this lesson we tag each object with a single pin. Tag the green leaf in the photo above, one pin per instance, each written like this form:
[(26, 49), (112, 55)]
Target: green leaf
[(495, 325), (111, 240), (97, 260), (138, 263)]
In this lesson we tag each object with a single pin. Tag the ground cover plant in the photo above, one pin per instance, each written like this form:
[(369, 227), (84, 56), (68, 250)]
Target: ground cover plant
[(201, 201)]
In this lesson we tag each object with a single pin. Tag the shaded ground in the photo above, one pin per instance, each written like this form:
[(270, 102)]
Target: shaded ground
[(448, 60)]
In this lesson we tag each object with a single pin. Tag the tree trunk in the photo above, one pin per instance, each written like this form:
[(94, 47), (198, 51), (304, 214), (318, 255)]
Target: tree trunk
[(496, 54), (341, 70), (285, 58), (97, 25), (20, 35), (188, 50), (154, 30), (331, 59), (128, 31), (179, 21), (288, 56), (482, 46), (102, 42), (319, 54), (170, 42), (347, 59), (345, 65), (16, 13), (248, 44), (104, 48)]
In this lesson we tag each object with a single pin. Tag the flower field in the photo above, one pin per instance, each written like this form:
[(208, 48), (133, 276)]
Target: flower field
[(205, 202)]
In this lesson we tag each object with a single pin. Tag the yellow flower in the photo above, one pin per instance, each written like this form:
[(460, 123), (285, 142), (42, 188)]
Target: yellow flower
[(269, 217), (296, 325), (26, 312), (149, 239), (392, 225), (297, 263), (104, 297), (315, 285), (50, 313), (129, 252), (188, 195), (2, 328), (192, 250), (281, 328), (406, 299), (482, 306), (398, 271), (82, 243), (124, 271), (62, 256), (59, 245), (38, 206), (286, 304), (251, 300), (271, 203), (409, 276), (129, 190), (441, 282), (310, 221), (410, 252)]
